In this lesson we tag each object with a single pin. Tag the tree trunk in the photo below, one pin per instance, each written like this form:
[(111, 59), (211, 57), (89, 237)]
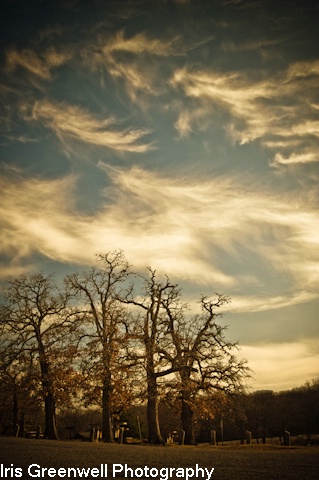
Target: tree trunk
[(107, 427), (15, 407), (154, 432), (22, 425), (50, 429), (187, 415)]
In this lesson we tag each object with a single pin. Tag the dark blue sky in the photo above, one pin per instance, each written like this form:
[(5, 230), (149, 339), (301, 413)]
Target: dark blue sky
[(186, 134)]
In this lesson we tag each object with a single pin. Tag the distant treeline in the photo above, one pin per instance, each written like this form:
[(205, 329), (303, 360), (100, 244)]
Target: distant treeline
[(264, 413)]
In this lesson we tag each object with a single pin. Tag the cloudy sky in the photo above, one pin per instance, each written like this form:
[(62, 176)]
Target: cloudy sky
[(183, 132)]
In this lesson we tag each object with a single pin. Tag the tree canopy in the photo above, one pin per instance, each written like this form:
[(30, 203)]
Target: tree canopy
[(110, 337)]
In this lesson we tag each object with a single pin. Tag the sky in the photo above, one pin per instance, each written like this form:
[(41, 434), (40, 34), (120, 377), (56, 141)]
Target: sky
[(184, 133)]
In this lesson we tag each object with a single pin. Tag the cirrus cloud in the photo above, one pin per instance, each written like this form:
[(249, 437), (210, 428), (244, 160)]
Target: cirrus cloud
[(178, 226), (69, 121), (38, 65), (276, 111)]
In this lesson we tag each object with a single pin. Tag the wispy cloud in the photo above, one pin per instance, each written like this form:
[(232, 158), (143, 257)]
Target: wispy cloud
[(139, 61), (178, 226), (241, 304), (40, 65), (257, 44), (303, 69), (137, 79), (190, 120), (277, 111), (295, 158), (140, 43), (33, 214), (126, 59), (143, 43), (69, 121)]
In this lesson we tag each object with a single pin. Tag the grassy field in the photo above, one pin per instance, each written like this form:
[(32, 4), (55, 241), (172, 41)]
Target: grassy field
[(247, 462)]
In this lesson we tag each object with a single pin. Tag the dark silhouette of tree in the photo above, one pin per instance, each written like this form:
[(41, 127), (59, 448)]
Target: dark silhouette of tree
[(38, 322), (201, 355), (103, 319), (298, 410), (193, 348), (261, 413), (20, 395), (310, 408), (149, 333)]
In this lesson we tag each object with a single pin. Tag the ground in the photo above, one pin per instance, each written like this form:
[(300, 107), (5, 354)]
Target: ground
[(247, 462)]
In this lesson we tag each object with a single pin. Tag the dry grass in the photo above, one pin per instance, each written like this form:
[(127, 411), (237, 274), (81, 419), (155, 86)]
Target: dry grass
[(247, 462)]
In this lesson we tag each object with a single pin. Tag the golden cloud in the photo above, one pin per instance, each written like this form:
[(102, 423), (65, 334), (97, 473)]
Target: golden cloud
[(75, 122), (178, 226), (270, 110), (38, 65)]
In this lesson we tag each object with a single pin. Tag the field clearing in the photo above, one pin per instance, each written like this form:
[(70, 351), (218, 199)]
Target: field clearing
[(246, 462)]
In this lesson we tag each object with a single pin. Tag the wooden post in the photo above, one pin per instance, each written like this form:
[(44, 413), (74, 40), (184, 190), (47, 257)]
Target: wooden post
[(248, 437), (213, 437)]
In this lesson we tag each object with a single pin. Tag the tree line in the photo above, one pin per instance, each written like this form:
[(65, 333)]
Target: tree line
[(111, 338), (266, 415)]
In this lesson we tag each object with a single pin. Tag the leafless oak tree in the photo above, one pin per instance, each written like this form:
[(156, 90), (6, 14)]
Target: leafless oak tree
[(103, 323), (38, 320), (202, 356)]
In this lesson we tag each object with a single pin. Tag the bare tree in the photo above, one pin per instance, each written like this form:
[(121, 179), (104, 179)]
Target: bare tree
[(99, 289), (20, 395), (201, 355), (36, 318), (150, 331)]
